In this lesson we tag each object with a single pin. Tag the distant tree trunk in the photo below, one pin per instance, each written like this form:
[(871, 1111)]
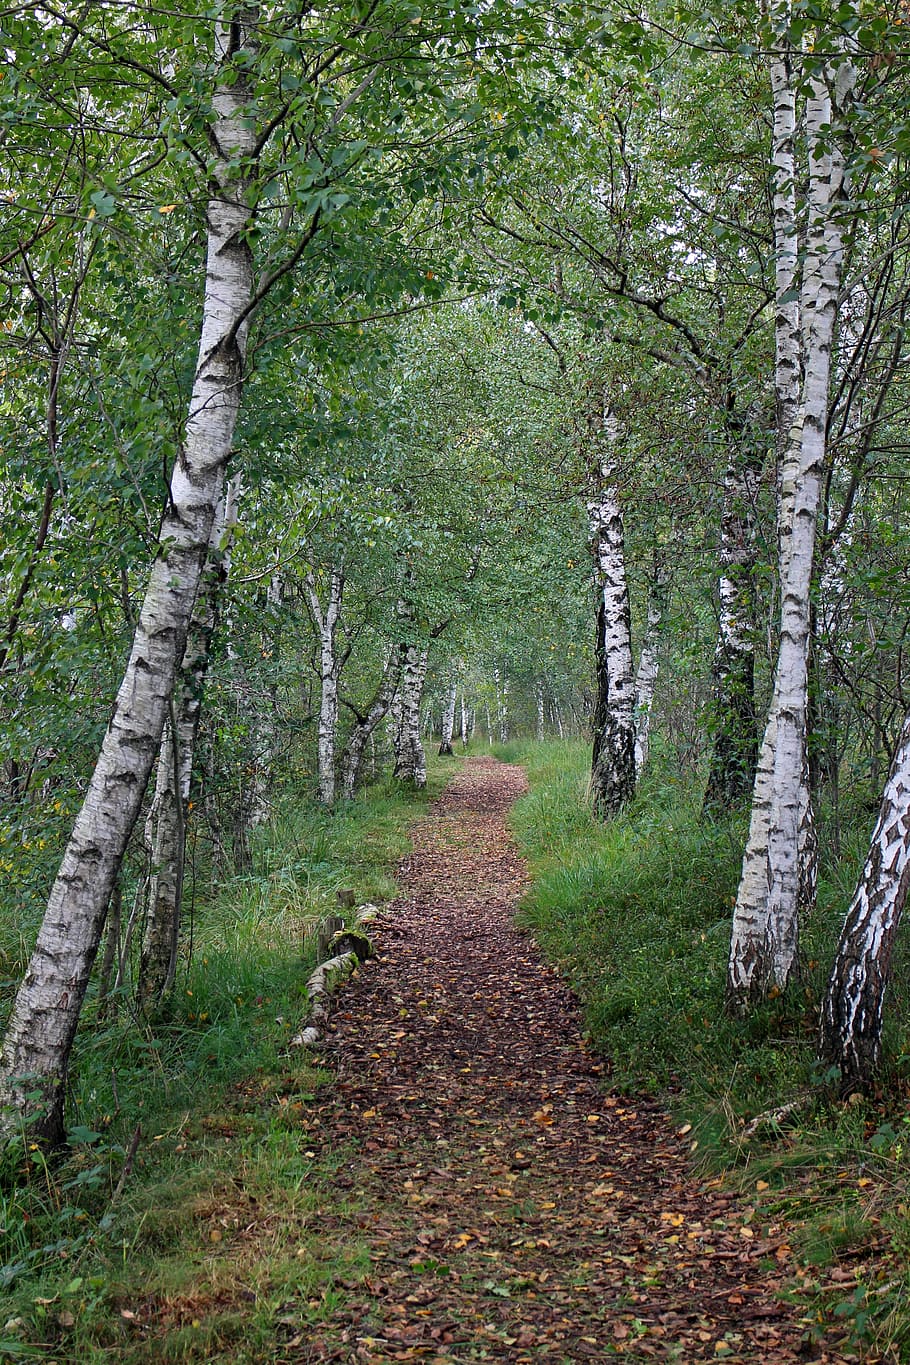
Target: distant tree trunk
[(365, 725), (46, 1012), (410, 759), (646, 674), (765, 940), (502, 708), (732, 771), (262, 707), (465, 731), (541, 714), (330, 665), (851, 1016), (448, 717), (613, 763), (165, 827)]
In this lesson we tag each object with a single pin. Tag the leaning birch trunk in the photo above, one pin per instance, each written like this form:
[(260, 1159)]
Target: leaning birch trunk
[(613, 763), (410, 759), (765, 940), (365, 727), (326, 622), (735, 750), (45, 1014), (851, 1016), (448, 718), (646, 673), (165, 828)]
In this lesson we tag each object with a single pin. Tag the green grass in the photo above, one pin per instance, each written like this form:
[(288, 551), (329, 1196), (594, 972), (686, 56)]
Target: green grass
[(636, 914), (214, 1235)]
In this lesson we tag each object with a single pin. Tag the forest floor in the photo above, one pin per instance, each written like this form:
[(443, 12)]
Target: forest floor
[(512, 1207)]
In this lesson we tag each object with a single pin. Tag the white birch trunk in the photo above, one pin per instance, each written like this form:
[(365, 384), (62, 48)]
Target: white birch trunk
[(613, 765), (365, 727), (326, 623), (165, 826), (448, 717), (46, 1011), (851, 1016), (464, 721), (765, 941), (648, 663), (541, 714), (410, 759), (732, 770), (503, 719)]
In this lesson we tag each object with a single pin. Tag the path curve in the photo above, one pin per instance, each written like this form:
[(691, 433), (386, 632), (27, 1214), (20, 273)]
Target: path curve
[(514, 1209)]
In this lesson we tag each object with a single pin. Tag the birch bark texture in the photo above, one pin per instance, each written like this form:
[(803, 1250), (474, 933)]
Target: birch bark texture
[(613, 760), (165, 826), (45, 1014), (448, 716), (853, 1007), (365, 725), (648, 661), (765, 940), (410, 758), (326, 621)]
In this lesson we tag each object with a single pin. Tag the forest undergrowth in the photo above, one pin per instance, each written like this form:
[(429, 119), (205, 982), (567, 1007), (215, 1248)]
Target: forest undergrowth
[(185, 1133), (636, 913)]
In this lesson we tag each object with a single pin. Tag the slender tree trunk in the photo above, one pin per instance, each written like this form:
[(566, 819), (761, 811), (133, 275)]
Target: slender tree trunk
[(464, 721), (613, 764), (765, 940), (541, 714), (46, 1011), (410, 759), (165, 829), (365, 726), (503, 718), (732, 771), (326, 622), (646, 673), (448, 717), (851, 1016)]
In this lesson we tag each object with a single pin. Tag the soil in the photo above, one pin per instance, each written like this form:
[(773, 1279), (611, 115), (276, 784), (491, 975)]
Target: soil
[(515, 1208)]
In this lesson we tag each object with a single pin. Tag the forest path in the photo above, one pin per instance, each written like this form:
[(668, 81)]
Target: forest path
[(514, 1210)]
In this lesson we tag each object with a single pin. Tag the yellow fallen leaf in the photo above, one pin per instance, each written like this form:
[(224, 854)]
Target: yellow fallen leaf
[(761, 1185), (368, 1114), (676, 1220)]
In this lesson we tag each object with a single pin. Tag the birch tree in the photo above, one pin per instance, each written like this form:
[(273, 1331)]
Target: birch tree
[(331, 661), (165, 826), (613, 763), (765, 939), (853, 1006), (43, 1023)]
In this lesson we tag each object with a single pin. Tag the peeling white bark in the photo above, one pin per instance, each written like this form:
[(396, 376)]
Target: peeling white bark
[(648, 664), (46, 1012), (165, 826), (326, 621), (448, 717), (851, 1017), (765, 941), (365, 726), (410, 758), (613, 765)]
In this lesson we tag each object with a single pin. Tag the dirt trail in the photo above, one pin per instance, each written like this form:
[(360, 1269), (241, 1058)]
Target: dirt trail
[(514, 1209)]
